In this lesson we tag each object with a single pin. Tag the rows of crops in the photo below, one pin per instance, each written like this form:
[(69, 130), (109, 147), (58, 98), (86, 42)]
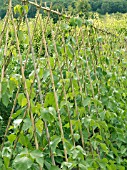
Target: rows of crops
[(63, 86)]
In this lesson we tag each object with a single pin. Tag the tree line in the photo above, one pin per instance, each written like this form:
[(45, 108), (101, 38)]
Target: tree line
[(74, 7), (108, 6)]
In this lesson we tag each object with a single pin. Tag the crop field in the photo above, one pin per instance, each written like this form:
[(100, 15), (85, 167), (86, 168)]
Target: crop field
[(63, 93)]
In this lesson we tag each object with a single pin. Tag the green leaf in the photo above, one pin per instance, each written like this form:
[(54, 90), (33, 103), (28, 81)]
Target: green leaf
[(75, 154), (86, 101), (22, 100), (26, 8), (49, 100), (6, 161), (19, 112), (4, 87), (66, 164), (36, 153), (102, 165), (81, 149), (17, 122), (46, 115), (27, 124), (99, 137), (52, 111), (1, 162), (46, 75), (24, 140), (76, 136), (12, 86), (78, 22), (52, 62), (121, 167), (22, 163), (104, 147), (18, 9), (82, 167), (34, 167), (24, 152), (70, 51), (123, 150), (11, 138), (48, 165), (38, 156), (39, 126), (5, 99), (54, 143), (40, 161), (6, 152), (72, 22)]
